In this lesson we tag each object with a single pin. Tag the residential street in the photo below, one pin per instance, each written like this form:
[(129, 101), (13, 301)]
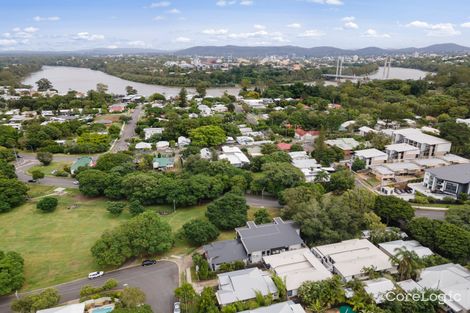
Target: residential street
[(157, 281), (128, 131)]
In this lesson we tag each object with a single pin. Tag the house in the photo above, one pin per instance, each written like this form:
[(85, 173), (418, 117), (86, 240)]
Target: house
[(345, 144), (429, 146), (283, 146), (391, 247), (255, 103), (299, 155), (346, 125), (152, 131), (143, 146), (244, 140), (306, 164), (306, 135), (243, 285), (451, 180), (268, 239), (234, 155), (401, 152), (454, 159), (378, 288), (465, 121), (116, 108), (224, 251), (81, 162), (409, 285), (69, 308), (295, 267), (371, 157), (219, 108), (452, 280), (348, 258), (283, 307), (205, 153), (163, 163), (204, 110), (364, 130), (430, 162), (162, 145), (183, 141), (392, 170)]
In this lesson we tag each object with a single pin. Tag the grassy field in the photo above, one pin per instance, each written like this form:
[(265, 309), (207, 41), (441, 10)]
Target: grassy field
[(56, 246), (47, 170)]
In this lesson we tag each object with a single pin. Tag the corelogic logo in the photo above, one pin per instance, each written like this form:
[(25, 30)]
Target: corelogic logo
[(424, 296)]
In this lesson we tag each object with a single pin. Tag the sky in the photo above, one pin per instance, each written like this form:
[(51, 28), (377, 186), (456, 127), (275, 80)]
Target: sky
[(59, 25)]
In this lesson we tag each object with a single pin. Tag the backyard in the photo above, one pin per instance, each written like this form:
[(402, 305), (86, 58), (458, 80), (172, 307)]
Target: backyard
[(56, 246)]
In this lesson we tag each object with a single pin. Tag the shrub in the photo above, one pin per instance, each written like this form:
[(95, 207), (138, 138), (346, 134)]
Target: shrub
[(199, 232), (47, 204)]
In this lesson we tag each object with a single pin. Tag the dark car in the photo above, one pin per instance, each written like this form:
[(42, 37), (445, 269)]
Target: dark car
[(32, 181), (148, 262)]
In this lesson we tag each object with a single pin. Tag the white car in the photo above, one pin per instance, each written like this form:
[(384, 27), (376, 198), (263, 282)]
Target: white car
[(95, 275), (176, 308), (76, 182)]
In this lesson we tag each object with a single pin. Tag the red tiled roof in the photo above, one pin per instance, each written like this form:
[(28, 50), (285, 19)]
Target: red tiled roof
[(284, 146), (301, 132)]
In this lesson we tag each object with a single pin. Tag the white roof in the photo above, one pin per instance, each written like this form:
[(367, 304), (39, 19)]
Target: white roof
[(229, 149), (377, 288), (431, 162), (401, 147), (71, 308), (162, 144), (418, 136), (143, 145), (283, 307), (367, 129), (343, 143), (370, 153), (351, 256), (402, 166), (409, 285), (455, 159), (410, 245), (298, 155), (297, 266), (382, 170), (243, 285), (451, 279), (305, 163)]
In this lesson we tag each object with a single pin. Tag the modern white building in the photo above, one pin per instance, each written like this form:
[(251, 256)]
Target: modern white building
[(348, 258), (429, 146), (378, 288), (371, 156), (151, 131), (234, 155), (391, 247), (401, 152), (143, 146), (296, 267)]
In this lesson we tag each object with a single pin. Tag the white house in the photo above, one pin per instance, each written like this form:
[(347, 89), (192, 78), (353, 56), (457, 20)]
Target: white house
[(283, 307), (143, 146), (183, 141), (371, 157), (392, 247), (401, 152), (429, 146), (151, 131), (234, 155), (378, 288), (162, 145), (205, 153)]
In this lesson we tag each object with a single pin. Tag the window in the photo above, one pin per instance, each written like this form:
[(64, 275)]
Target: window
[(451, 187)]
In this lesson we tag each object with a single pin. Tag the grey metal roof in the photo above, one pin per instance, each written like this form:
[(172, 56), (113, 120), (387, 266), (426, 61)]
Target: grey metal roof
[(459, 173), (225, 251), (269, 236)]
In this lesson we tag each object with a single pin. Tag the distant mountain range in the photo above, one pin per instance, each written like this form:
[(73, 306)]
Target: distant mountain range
[(256, 51)]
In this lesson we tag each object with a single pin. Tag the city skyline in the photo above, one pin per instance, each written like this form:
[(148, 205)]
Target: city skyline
[(170, 25)]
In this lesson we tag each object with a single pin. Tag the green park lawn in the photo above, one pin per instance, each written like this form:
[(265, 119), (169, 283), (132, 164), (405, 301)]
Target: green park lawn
[(47, 170), (56, 246)]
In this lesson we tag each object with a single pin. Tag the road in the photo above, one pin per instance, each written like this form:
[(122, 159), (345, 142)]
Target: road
[(258, 201), (128, 131), (430, 213), (157, 281)]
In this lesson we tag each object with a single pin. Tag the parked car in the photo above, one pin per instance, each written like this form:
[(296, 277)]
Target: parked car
[(95, 275), (32, 180), (176, 308), (148, 262), (76, 182)]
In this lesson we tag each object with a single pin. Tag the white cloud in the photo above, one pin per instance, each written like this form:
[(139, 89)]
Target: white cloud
[(294, 25), (161, 4), (465, 25), (222, 3), (329, 2), (258, 26), (349, 23), (30, 29), (112, 47), (258, 33), (158, 18), (136, 43), (88, 36), (182, 39), (311, 33), (6, 35), (16, 29), (246, 2), (174, 11), (436, 30), (46, 18), (213, 31), (7, 42), (372, 33)]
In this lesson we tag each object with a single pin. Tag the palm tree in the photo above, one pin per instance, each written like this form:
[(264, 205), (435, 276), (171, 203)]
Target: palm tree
[(408, 264)]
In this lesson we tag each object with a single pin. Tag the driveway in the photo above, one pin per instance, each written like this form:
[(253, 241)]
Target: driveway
[(157, 281)]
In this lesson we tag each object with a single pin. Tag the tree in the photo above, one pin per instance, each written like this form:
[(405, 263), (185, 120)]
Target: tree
[(92, 182), (262, 216), (182, 97), (7, 170), (116, 208), (136, 208), (131, 90), (47, 204), (408, 264), (280, 176), (341, 181), (393, 209), (12, 194), (44, 84), (209, 135), (44, 157), (46, 299), (11, 272), (199, 232), (6, 154), (207, 302), (145, 234), (157, 97), (8, 136), (459, 216), (187, 297), (102, 88), (228, 212), (37, 174), (141, 309), (201, 89), (358, 164), (132, 297), (323, 294)]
